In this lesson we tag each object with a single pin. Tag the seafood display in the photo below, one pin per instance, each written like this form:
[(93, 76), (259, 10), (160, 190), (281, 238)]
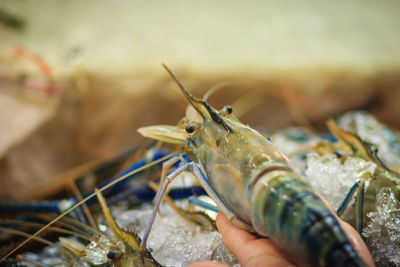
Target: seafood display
[(286, 120), (259, 187)]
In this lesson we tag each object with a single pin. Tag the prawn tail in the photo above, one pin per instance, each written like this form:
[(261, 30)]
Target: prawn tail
[(285, 209)]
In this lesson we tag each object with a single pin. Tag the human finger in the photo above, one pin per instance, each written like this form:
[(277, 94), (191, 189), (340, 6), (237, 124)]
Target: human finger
[(207, 264), (250, 250)]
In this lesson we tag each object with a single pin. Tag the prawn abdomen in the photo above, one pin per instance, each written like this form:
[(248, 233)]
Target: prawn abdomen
[(285, 209)]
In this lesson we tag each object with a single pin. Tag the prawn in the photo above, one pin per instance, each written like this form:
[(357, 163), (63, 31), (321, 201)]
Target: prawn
[(253, 183), (84, 200), (122, 249), (369, 186)]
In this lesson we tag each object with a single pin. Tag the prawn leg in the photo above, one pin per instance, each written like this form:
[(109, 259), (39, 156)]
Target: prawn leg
[(358, 187), (165, 167), (360, 207), (166, 181), (199, 173), (202, 178), (195, 201)]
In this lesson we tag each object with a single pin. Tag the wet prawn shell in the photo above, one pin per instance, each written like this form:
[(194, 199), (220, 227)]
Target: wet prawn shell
[(285, 209)]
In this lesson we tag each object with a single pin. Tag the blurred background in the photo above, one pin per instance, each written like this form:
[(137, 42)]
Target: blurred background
[(77, 78)]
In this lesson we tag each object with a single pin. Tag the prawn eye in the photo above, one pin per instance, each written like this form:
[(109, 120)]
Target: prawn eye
[(190, 128), (112, 255), (226, 110)]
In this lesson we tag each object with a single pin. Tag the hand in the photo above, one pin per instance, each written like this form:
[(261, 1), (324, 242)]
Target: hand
[(252, 251)]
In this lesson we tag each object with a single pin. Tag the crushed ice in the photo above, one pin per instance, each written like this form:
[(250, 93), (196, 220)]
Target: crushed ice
[(332, 178), (383, 231), (173, 240)]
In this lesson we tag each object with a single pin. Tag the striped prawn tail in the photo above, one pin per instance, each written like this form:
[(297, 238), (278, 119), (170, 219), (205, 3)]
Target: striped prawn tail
[(285, 209)]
